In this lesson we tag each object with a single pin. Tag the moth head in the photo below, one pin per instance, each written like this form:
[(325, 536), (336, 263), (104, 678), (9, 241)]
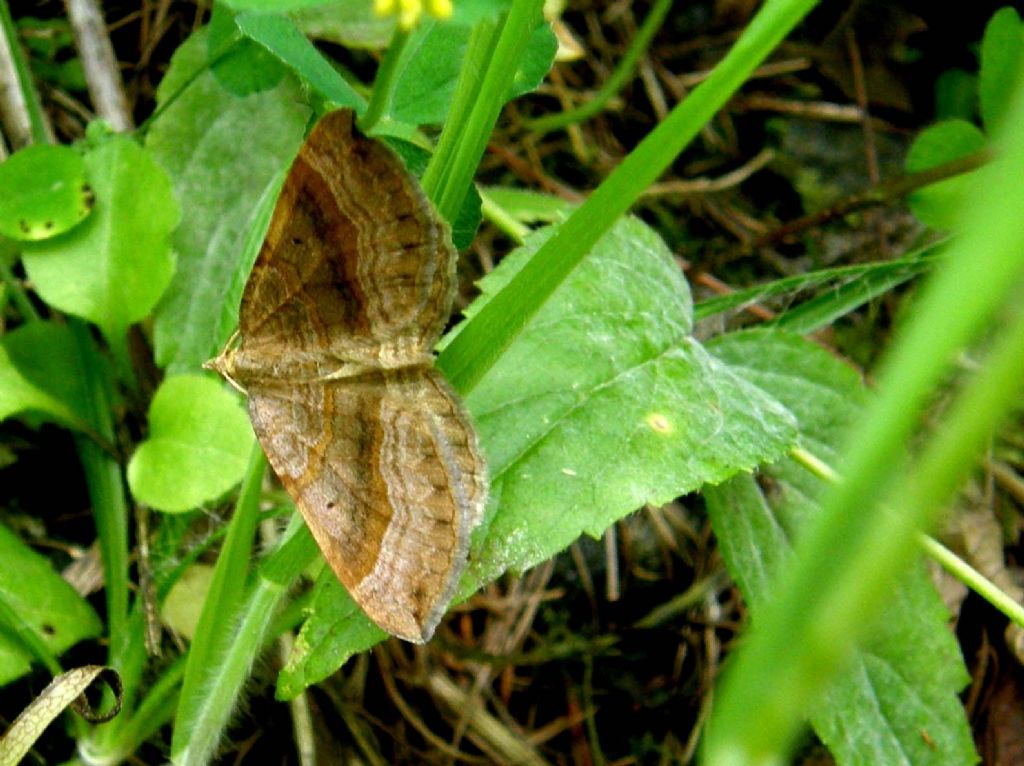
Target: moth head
[(224, 364)]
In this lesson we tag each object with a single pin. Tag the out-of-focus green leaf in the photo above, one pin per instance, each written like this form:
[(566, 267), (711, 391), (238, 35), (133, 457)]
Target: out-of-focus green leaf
[(1002, 65), (184, 603), (939, 204), (351, 23), (897, 703), (43, 601), (43, 192), (113, 268), (198, 445)]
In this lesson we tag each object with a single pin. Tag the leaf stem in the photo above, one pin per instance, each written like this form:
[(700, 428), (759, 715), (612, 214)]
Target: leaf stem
[(384, 83)]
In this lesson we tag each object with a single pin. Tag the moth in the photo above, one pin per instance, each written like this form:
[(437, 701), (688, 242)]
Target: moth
[(350, 291)]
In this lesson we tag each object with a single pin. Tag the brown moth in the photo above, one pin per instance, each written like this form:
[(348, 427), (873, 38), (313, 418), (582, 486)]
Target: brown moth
[(349, 293)]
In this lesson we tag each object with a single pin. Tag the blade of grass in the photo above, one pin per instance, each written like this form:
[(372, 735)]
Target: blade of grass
[(490, 332), (226, 587), (248, 635)]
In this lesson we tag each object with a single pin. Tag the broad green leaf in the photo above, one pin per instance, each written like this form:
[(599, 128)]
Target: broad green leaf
[(939, 204), (897, 702), (605, 403), (227, 319), (198, 445), (43, 192), (285, 42), (222, 152), (602, 404), (40, 372), (45, 603), (1002, 65), (430, 64), (241, 66), (113, 268)]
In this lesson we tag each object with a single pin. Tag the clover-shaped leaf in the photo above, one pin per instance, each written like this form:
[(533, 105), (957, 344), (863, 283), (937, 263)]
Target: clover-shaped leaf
[(198, 446)]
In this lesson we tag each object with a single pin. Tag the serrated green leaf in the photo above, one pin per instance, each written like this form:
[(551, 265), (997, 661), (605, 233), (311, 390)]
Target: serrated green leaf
[(43, 192), (1002, 65), (222, 153), (603, 403), (45, 603), (897, 702), (939, 204), (198, 445), (113, 268), (320, 648), (40, 372)]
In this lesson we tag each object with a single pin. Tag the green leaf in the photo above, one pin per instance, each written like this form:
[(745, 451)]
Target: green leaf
[(602, 404), (429, 67), (321, 648), (113, 268), (40, 372), (285, 41), (891, 272), (606, 374), (245, 67), (46, 604), (939, 204), (222, 153), (897, 703), (198, 445), (1002, 65), (43, 192)]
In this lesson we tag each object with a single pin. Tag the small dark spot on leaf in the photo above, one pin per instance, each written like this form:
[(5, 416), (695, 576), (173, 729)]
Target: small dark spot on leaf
[(48, 224), (23, 225), (88, 196), (48, 629), (330, 505), (296, 240)]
